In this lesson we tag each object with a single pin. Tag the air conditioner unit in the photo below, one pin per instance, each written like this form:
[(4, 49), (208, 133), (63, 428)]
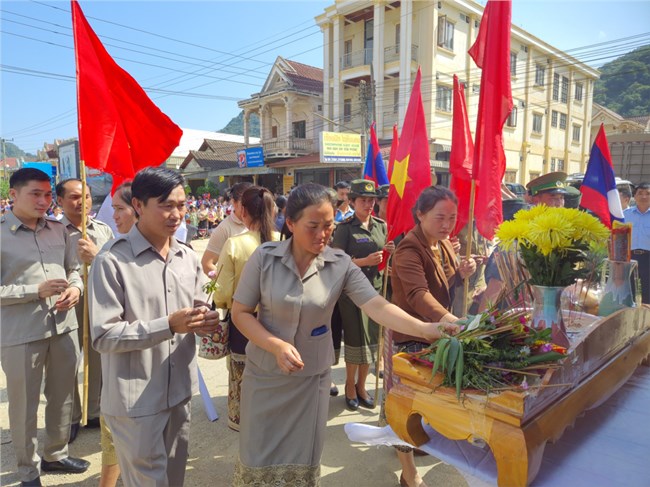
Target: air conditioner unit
[(522, 104)]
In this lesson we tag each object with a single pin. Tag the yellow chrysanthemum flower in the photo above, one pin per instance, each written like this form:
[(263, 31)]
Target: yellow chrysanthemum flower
[(551, 231), (511, 231), (531, 213)]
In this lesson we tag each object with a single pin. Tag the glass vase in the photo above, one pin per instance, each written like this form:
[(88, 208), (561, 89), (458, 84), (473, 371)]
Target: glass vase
[(617, 292), (547, 312)]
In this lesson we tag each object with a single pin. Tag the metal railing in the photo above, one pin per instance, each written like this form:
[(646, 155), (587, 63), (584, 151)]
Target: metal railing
[(391, 53), (356, 58), (290, 144)]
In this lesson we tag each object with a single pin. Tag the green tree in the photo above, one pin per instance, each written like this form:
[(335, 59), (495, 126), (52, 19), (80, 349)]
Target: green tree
[(208, 187), (624, 84), (4, 188)]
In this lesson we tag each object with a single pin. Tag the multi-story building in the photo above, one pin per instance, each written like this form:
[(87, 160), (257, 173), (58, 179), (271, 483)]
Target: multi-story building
[(385, 41)]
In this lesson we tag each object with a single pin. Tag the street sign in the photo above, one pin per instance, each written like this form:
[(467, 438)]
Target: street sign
[(251, 157)]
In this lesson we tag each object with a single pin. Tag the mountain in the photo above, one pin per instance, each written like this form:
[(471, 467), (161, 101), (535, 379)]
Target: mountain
[(624, 84), (236, 125)]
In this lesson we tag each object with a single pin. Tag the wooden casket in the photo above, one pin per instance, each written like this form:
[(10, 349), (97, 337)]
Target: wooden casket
[(517, 424)]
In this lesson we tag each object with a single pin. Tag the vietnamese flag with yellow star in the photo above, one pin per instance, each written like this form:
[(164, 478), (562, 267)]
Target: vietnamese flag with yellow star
[(411, 170)]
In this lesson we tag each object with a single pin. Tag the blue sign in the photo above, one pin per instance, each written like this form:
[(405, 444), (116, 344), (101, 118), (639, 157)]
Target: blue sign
[(251, 157)]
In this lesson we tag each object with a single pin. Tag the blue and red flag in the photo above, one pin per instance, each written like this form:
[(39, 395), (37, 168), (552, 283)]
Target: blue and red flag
[(375, 170), (599, 193)]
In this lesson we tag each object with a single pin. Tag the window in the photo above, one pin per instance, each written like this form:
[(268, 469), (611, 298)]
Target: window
[(576, 133), (445, 33), (565, 89), (556, 87), (476, 88), (396, 100), (560, 164), (540, 74), (578, 94), (274, 132), (563, 121), (512, 118), (300, 129), (443, 98), (347, 53), (347, 109), (513, 64), (553, 164), (554, 115), (537, 123)]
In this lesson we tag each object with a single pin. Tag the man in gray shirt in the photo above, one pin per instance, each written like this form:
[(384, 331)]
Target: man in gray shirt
[(39, 289), (69, 197), (146, 303)]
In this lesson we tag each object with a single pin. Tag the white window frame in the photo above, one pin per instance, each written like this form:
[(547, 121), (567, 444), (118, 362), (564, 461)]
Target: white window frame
[(554, 117), (540, 75), (564, 91), (578, 91), (444, 98), (563, 121), (446, 33), (538, 118), (577, 132)]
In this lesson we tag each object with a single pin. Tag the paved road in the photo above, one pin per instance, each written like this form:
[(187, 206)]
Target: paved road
[(213, 446)]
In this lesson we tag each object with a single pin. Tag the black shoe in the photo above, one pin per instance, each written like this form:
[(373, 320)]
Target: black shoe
[(334, 391), (69, 465), (352, 404), (32, 483), (93, 423), (74, 431), (368, 403)]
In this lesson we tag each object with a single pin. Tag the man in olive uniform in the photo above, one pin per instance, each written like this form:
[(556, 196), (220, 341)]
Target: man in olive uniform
[(68, 197), (548, 189), (40, 286)]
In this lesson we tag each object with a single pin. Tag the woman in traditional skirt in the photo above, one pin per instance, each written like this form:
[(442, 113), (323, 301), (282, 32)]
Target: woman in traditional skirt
[(293, 285), (258, 214), (363, 237)]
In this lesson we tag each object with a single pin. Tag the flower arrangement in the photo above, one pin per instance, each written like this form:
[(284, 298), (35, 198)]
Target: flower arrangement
[(556, 244), (494, 351)]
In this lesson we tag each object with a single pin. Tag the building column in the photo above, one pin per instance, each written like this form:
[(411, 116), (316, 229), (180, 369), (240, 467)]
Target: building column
[(288, 105), (378, 65), (327, 73), (568, 134), (527, 115), (247, 115), (405, 41), (262, 113), (546, 162), (587, 100), (337, 51)]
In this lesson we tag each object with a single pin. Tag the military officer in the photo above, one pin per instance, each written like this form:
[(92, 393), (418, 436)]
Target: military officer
[(40, 286), (363, 237), (146, 300), (68, 197), (548, 189)]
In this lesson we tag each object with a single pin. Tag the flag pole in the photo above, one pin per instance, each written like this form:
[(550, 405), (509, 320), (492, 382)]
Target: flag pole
[(380, 343), (468, 249), (84, 344)]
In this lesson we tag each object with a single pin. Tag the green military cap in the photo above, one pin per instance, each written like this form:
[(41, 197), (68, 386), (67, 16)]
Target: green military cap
[(382, 191), (572, 197), (362, 188), (552, 182)]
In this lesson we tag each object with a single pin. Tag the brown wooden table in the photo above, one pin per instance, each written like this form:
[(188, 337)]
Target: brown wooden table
[(517, 425)]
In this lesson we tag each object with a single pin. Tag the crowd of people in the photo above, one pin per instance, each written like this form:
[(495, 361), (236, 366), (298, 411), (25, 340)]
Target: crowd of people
[(298, 278)]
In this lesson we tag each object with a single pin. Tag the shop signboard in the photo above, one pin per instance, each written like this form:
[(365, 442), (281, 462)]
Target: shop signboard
[(250, 157), (340, 147)]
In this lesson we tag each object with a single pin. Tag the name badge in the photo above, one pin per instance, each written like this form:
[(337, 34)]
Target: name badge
[(321, 330)]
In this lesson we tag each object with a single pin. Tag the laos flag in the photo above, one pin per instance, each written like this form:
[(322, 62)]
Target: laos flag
[(375, 170), (599, 193)]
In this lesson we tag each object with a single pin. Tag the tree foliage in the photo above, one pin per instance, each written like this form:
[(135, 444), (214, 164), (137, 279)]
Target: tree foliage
[(236, 125), (624, 85)]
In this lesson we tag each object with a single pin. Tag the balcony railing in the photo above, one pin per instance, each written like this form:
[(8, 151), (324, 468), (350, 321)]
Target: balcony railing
[(356, 58), (291, 144), (391, 53)]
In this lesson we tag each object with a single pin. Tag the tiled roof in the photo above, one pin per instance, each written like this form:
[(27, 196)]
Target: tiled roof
[(11, 162), (208, 160), (305, 77), (643, 120)]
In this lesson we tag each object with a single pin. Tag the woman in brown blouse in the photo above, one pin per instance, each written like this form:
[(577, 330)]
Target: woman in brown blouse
[(425, 270)]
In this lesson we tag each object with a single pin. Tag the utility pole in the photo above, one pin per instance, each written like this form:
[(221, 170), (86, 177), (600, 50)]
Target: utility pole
[(363, 101)]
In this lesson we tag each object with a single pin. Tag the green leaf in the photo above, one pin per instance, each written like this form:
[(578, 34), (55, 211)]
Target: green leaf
[(460, 370), (436, 362), (454, 346)]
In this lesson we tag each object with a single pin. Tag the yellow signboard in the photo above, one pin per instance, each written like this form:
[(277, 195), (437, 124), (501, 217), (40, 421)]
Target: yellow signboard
[(287, 183), (340, 147)]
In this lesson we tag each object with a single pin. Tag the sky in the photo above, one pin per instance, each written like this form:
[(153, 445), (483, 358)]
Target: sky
[(205, 55)]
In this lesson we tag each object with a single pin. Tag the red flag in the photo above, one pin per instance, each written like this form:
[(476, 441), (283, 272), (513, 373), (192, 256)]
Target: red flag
[(491, 52), (462, 154), (393, 151), (120, 129), (411, 170)]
